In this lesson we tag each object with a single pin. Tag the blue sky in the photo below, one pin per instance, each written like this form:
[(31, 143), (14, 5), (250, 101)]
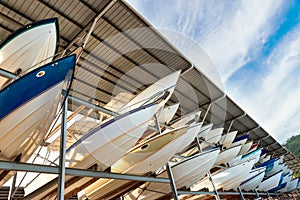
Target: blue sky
[(255, 46)]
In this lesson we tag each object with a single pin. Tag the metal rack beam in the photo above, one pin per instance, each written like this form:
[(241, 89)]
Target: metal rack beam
[(224, 193), (19, 166)]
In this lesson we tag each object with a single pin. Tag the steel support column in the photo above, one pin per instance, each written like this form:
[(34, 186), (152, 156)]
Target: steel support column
[(198, 144), (241, 193), (208, 108), (256, 194), (12, 188), (230, 125), (62, 154), (268, 195), (276, 195), (213, 184), (172, 182)]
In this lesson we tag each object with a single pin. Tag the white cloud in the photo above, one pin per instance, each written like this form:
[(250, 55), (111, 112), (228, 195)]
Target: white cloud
[(230, 31), (233, 33), (275, 103)]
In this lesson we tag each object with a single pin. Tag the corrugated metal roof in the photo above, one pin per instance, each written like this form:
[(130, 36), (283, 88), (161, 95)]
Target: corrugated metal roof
[(125, 55)]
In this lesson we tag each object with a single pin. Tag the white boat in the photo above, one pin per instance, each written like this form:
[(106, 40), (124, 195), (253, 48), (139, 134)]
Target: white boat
[(163, 87), (204, 131), (28, 107), (252, 155), (245, 148), (186, 119), (108, 142), (103, 145), (263, 155), (212, 137), (292, 185), (165, 115), (235, 160), (277, 166), (286, 179), (193, 130), (31, 46), (265, 159), (185, 173), (253, 148), (226, 178), (201, 135), (227, 139), (240, 140), (253, 179), (286, 170), (270, 182), (236, 180), (206, 158), (146, 157), (228, 154)]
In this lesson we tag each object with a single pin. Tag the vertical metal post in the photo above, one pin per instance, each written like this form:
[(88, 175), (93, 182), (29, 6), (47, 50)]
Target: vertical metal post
[(268, 195), (198, 144), (12, 188), (230, 125), (256, 193), (206, 113), (172, 183), (213, 184), (241, 193), (62, 155), (157, 123), (208, 173), (276, 195)]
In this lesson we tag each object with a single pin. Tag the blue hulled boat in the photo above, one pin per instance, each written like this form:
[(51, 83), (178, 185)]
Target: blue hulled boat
[(28, 107)]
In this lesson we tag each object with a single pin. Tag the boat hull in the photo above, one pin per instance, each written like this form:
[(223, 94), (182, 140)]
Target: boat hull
[(146, 157), (28, 107), (270, 182), (103, 146), (254, 178), (227, 139), (107, 143), (212, 137), (32, 45), (185, 173), (252, 155), (245, 148), (163, 86), (228, 154), (227, 179)]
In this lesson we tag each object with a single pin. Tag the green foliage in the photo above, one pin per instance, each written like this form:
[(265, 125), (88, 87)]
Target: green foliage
[(293, 144)]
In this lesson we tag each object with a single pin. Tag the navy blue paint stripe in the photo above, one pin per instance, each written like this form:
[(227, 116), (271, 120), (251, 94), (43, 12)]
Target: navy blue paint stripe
[(263, 151), (95, 130), (31, 26), (29, 86), (241, 138), (281, 186), (267, 163)]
